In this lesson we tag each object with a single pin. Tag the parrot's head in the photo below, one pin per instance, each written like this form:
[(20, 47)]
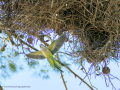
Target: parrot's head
[(40, 45), (43, 48)]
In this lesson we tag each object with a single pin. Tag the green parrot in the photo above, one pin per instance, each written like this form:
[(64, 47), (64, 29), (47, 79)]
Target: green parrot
[(47, 52)]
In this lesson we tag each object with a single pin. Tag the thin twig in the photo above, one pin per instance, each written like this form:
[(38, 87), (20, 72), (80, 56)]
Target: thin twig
[(111, 83), (27, 44), (64, 81), (88, 76), (76, 75), (9, 36), (61, 73), (67, 54), (41, 38)]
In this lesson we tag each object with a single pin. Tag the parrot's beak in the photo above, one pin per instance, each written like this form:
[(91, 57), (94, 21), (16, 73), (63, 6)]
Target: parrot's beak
[(40, 46)]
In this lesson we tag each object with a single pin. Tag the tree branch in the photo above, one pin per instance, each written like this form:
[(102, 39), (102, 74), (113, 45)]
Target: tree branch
[(61, 73), (74, 73), (9, 36), (27, 44), (78, 77)]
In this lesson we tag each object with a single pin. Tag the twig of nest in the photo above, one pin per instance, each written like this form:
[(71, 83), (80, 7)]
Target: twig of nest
[(30, 40)]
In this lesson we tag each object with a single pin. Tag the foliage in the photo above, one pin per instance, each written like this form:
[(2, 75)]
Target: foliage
[(12, 66)]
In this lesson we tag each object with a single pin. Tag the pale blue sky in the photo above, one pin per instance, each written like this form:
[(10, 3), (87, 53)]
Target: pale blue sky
[(27, 78), (34, 82)]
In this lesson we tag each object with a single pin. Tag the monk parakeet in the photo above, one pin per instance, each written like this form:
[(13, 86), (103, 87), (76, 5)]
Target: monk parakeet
[(47, 52)]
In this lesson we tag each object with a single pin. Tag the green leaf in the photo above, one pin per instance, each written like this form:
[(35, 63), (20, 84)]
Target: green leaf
[(12, 67), (16, 53)]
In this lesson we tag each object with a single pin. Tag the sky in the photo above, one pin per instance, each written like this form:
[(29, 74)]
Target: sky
[(28, 80)]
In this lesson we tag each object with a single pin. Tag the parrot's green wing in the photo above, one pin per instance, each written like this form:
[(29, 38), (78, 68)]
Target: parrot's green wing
[(36, 55), (55, 46)]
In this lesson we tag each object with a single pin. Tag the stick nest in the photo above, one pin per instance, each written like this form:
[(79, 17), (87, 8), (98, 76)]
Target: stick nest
[(94, 23)]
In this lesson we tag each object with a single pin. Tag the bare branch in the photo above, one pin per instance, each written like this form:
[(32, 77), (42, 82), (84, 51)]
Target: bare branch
[(27, 44), (9, 36), (62, 74), (76, 75)]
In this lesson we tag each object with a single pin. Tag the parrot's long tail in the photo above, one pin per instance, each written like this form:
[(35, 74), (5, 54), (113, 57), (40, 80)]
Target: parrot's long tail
[(54, 63), (58, 67)]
